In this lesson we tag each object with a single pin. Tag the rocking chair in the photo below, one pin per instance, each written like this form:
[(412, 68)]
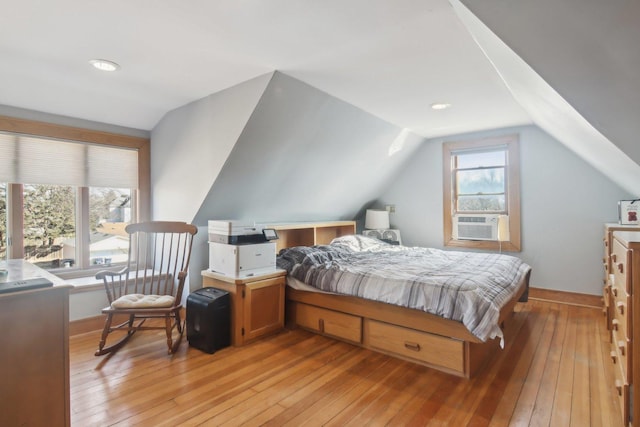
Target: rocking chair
[(151, 284)]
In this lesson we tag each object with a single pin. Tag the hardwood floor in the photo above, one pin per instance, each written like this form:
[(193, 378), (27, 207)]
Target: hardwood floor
[(552, 372)]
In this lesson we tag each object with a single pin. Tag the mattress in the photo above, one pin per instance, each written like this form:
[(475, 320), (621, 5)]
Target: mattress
[(470, 287)]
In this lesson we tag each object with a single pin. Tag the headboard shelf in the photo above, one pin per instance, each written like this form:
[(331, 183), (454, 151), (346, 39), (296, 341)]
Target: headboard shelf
[(310, 233)]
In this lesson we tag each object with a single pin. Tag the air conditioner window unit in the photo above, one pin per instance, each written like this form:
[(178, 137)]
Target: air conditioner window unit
[(476, 226)]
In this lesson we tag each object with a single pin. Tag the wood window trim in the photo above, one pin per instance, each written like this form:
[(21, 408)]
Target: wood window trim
[(51, 130), (513, 193)]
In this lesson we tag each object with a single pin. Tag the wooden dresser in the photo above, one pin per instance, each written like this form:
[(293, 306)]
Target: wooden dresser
[(624, 295)]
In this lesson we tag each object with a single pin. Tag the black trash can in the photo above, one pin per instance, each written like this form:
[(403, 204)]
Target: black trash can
[(209, 319)]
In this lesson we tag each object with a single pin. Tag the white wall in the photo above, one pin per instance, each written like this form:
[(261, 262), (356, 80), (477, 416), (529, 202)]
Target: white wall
[(87, 304), (564, 204)]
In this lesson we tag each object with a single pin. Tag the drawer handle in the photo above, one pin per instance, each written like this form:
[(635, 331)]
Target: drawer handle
[(621, 267), (614, 258), (414, 346), (622, 347), (619, 387), (620, 307), (614, 357), (614, 324), (321, 325), (614, 291)]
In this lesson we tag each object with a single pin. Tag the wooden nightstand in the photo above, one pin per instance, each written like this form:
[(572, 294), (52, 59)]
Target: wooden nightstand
[(257, 303)]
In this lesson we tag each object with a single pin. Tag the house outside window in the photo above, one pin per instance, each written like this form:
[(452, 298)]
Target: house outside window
[(482, 194), (66, 195)]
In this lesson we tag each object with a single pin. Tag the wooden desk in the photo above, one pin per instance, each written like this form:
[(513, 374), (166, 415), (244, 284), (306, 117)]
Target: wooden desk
[(34, 360)]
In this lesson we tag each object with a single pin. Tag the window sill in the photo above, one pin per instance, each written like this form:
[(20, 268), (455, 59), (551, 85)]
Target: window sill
[(84, 284), (492, 245)]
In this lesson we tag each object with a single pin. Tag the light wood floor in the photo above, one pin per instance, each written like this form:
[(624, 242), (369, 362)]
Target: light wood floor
[(553, 371)]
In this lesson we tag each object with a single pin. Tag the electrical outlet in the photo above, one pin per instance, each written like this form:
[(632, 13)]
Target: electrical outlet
[(391, 208)]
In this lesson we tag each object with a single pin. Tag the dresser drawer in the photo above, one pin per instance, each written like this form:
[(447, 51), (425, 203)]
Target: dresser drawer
[(621, 356), (621, 377), (620, 266), (621, 319), (328, 322), (433, 349), (622, 392)]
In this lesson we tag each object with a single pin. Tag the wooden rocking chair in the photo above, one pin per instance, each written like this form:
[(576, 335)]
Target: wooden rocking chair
[(151, 284)]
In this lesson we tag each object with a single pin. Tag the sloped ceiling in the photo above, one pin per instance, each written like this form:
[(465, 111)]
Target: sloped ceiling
[(391, 59), (588, 51), (273, 149), (306, 156), (550, 110)]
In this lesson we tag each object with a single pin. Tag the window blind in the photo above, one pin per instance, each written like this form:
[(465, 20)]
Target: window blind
[(28, 159)]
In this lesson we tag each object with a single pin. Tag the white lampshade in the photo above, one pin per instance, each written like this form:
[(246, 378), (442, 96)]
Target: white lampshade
[(376, 219)]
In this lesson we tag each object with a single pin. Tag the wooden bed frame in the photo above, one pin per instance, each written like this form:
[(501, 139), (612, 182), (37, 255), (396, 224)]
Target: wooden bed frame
[(405, 333), (409, 334)]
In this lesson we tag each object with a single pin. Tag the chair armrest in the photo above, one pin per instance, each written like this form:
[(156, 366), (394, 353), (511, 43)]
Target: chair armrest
[(103, 274)]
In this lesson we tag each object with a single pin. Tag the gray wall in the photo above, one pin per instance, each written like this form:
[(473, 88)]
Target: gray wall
[(189, 148), (564, 204), (303, 156), (190, 145), (273, 149)]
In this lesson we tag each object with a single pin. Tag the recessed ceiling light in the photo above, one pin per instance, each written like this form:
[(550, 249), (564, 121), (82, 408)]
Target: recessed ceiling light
[(440, 106), (104, 65)]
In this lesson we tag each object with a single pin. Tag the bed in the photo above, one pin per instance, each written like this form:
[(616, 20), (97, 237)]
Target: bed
[(443, 309)]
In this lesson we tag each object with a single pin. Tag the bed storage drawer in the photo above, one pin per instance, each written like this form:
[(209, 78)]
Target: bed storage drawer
[(425, 347), (328, 322)]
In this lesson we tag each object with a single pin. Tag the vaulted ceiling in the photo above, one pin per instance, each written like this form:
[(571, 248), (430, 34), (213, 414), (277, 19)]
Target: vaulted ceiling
[(392, 59)]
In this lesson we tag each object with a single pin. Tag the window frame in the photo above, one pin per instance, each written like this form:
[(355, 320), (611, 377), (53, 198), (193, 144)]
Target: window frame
[(512, 191), (142, 199)]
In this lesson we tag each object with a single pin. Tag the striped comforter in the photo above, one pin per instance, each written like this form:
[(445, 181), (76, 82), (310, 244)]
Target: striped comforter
[(469, 287)]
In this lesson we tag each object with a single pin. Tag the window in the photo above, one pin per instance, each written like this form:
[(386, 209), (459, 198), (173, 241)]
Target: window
[(66, 195), (3, 221), (110, 209), (482, 194)]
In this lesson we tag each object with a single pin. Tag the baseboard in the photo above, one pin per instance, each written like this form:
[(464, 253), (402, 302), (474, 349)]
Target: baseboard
[(563, 297), (89, 324), (96, 323)]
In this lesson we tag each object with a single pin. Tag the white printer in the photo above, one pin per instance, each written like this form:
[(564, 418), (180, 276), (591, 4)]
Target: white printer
[(235, 232), (240, 249), (242, 260)]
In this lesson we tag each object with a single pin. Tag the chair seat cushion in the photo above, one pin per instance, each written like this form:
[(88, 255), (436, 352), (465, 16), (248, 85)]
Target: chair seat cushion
[(143, 301)]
